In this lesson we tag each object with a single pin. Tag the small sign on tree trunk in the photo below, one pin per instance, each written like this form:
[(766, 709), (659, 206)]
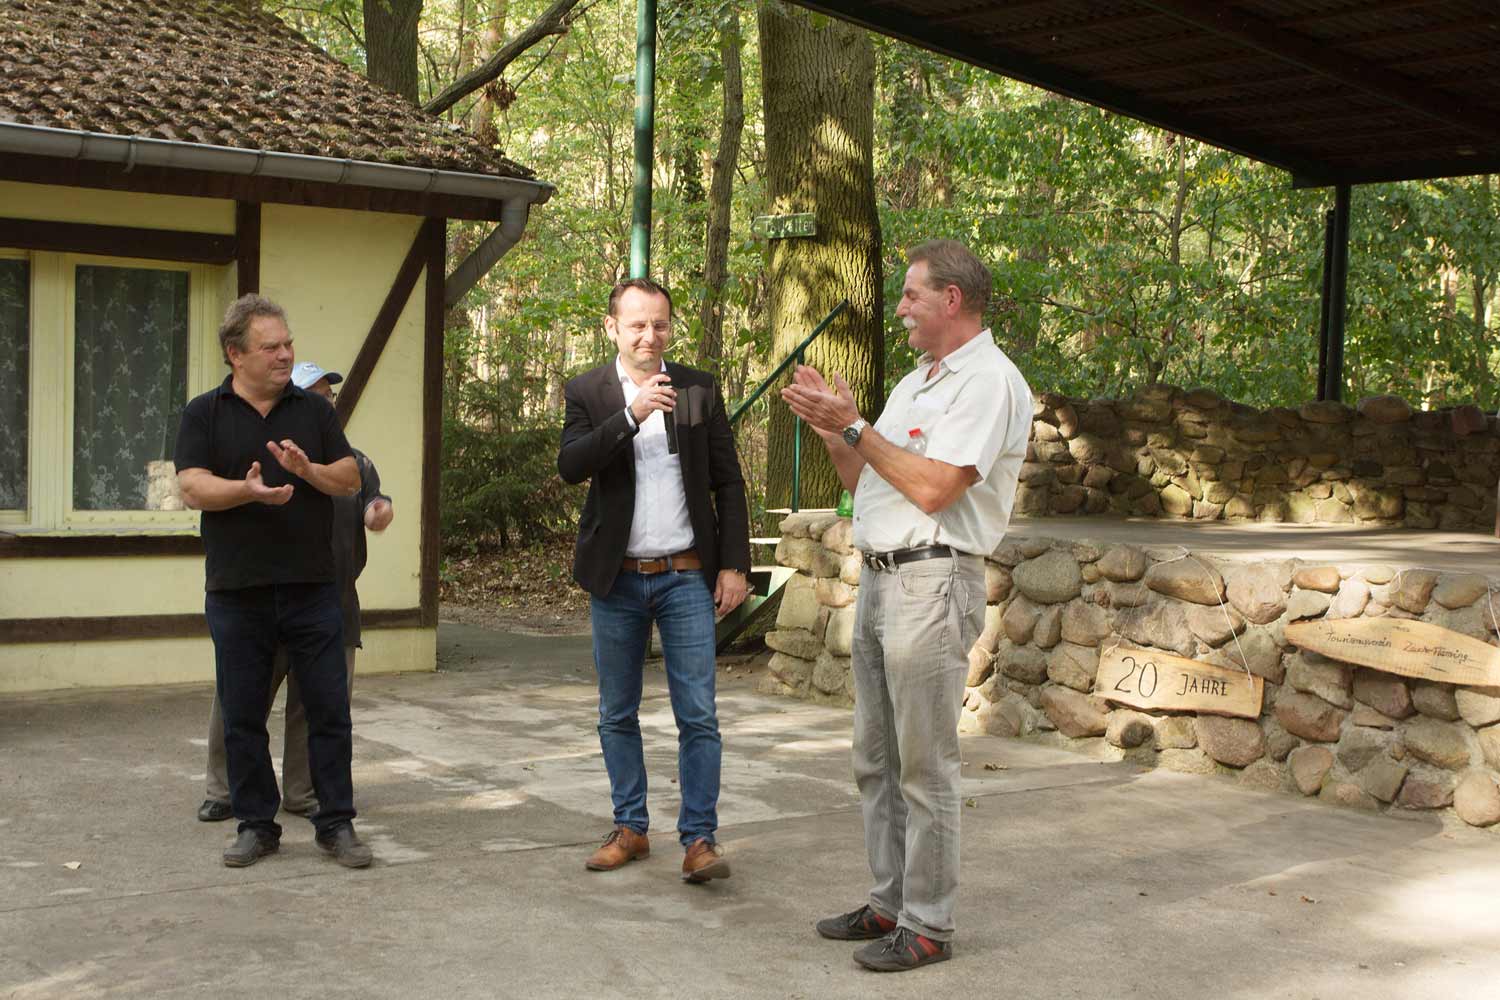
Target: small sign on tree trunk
[(1145, 678), (780, 227)]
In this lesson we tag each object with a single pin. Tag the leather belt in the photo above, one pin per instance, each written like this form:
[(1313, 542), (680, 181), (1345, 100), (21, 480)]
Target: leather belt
[(896, 557), (676, 562)]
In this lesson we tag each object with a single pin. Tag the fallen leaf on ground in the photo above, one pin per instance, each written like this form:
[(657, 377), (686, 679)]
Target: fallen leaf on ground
[(1308, 899), (72, 866), (971, 803), (997, 767)]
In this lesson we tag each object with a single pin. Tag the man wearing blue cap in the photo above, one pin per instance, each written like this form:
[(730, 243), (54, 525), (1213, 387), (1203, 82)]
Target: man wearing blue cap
[(352, 515)]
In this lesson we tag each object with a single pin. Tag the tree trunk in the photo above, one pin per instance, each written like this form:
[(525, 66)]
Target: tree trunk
[(391, 45), (720, 196), (482, 117), (818, 86)]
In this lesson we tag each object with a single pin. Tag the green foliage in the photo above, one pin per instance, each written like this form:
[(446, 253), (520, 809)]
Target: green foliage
[(1122, 255)]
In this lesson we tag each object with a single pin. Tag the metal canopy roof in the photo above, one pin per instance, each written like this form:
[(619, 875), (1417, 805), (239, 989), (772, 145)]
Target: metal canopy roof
[(1334, 91)]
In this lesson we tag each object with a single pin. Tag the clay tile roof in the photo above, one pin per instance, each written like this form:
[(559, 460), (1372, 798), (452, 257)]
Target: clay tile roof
[(220, 72)]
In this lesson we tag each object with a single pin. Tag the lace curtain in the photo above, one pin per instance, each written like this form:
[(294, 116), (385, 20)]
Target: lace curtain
[(15, 377), (129, 381)]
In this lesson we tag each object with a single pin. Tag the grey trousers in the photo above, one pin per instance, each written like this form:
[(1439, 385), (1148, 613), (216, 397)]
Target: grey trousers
[(913, 627), (296, 779)]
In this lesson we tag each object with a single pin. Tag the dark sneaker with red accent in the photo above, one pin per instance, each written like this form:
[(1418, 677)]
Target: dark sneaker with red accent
[(863, 924), (903, 949)]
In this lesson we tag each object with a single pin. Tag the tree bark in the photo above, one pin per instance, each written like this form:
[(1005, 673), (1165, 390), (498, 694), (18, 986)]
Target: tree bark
[(553, 22), (818, 87), (482, 118), (391, 45), (720, 196)]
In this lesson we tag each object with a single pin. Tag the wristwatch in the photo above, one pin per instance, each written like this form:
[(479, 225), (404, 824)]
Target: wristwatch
[(853, 431)]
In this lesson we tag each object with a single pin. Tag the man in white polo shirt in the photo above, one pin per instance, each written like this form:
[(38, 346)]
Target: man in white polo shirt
[(933, 482)]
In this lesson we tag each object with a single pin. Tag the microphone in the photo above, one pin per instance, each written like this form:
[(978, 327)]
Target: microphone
[(669, 418)]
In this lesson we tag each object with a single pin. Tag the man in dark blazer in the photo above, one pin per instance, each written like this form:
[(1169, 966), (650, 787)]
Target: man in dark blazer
[(664, 538)]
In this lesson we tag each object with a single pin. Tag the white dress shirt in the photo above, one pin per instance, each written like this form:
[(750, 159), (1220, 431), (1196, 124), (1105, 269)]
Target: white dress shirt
[(975, 410), (660, 525)]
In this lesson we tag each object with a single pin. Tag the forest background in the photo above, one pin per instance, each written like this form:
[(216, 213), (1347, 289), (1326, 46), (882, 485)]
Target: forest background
[(1123, 255)]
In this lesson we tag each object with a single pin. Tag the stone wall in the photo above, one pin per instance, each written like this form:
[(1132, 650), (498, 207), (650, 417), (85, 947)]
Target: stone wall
[(1170, 453), (1350, 735)]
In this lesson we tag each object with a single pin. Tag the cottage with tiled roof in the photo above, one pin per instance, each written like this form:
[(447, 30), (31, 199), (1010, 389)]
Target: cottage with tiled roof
[(157, 159)]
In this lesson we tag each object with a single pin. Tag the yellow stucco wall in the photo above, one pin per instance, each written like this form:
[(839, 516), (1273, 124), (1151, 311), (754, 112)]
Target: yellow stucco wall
[(60, 665), (331, 269)]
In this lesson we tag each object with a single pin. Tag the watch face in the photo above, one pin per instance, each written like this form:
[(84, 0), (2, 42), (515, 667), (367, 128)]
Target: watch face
[(851, 435)]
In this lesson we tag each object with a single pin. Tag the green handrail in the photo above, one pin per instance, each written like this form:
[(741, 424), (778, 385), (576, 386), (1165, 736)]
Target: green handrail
[(795, 357)]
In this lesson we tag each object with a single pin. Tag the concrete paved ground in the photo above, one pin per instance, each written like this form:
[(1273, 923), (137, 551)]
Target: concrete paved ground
[(482, 790)]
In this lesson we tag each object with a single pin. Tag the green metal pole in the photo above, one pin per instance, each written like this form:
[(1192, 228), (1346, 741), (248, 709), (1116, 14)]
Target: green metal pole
[(645, 122)]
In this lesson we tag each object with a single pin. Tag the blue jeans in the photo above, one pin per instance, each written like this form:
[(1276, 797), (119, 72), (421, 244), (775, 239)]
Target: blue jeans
[(683, 609), (247, 625)]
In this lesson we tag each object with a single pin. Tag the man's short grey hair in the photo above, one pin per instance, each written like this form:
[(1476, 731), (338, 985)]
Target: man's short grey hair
[(949, 262), (235, 330)]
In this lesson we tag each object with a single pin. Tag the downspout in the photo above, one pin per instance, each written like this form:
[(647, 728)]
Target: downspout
[(513, 215)]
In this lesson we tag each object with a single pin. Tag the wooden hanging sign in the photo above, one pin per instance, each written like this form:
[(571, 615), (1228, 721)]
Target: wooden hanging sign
[(1145, 678), (1400, 646)]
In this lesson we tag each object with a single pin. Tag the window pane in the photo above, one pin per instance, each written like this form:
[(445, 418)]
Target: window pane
[(15, 380), (129, 385)]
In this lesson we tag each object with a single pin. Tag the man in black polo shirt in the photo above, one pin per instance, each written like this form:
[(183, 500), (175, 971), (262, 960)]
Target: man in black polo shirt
[(262, 459)]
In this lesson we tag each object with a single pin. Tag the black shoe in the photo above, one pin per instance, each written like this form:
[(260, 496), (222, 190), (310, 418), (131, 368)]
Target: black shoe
[(346, 847), (863, 924), (249, 847), (214, 811), (903, 949)]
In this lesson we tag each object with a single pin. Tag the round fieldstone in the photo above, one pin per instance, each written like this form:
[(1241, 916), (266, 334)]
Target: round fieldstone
[(1159, 623), (1262, 775), (1050, 578), (1459, 591), (1073, 666), (997, 583), (1084, 623), (1235, 742), (1477, 799), (1075, 714), (1309, 766), (1414, 589), (1478, 706), (1019, 620), (1279, 742), (1426, 792), (1385, 409), (981, 665), (1383, 692), (1324, 579), (1175, 732), (1190, 579), (1309, 717), (1435, 700), (1489, 745), (1048, 627), (1256, 592), (1442, 744), (1383, 779), (1349, 795), (1216, 625), (1026, 664), (1129, 729), (1123, 564), (1328, 679), (1307, 604)]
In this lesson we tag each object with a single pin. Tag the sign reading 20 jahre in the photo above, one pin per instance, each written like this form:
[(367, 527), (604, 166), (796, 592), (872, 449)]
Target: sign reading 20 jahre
[(1145, 678)]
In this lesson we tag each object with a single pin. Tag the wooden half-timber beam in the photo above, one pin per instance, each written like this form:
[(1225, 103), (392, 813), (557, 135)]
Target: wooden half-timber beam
[(359, 373), (434, 310), (247, 245), (117, 241)]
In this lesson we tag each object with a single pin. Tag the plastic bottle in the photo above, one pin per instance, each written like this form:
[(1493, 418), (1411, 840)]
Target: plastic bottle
[(916, 441), (846, 504)]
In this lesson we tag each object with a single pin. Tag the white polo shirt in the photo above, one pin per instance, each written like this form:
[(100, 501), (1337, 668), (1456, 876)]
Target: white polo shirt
[(976, 410), (659, 525)]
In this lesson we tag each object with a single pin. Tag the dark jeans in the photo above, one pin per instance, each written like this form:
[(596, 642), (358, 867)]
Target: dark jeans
[(683, 609), (246, 626)]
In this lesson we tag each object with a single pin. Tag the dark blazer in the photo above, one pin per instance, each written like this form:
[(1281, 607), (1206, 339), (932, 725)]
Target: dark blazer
[(597, 445)]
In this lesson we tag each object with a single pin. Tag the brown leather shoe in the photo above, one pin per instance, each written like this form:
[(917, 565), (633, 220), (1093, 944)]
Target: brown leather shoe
[(623, 844), (704, 861)]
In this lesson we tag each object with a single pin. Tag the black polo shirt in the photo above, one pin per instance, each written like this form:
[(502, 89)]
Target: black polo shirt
[(256, 544)]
